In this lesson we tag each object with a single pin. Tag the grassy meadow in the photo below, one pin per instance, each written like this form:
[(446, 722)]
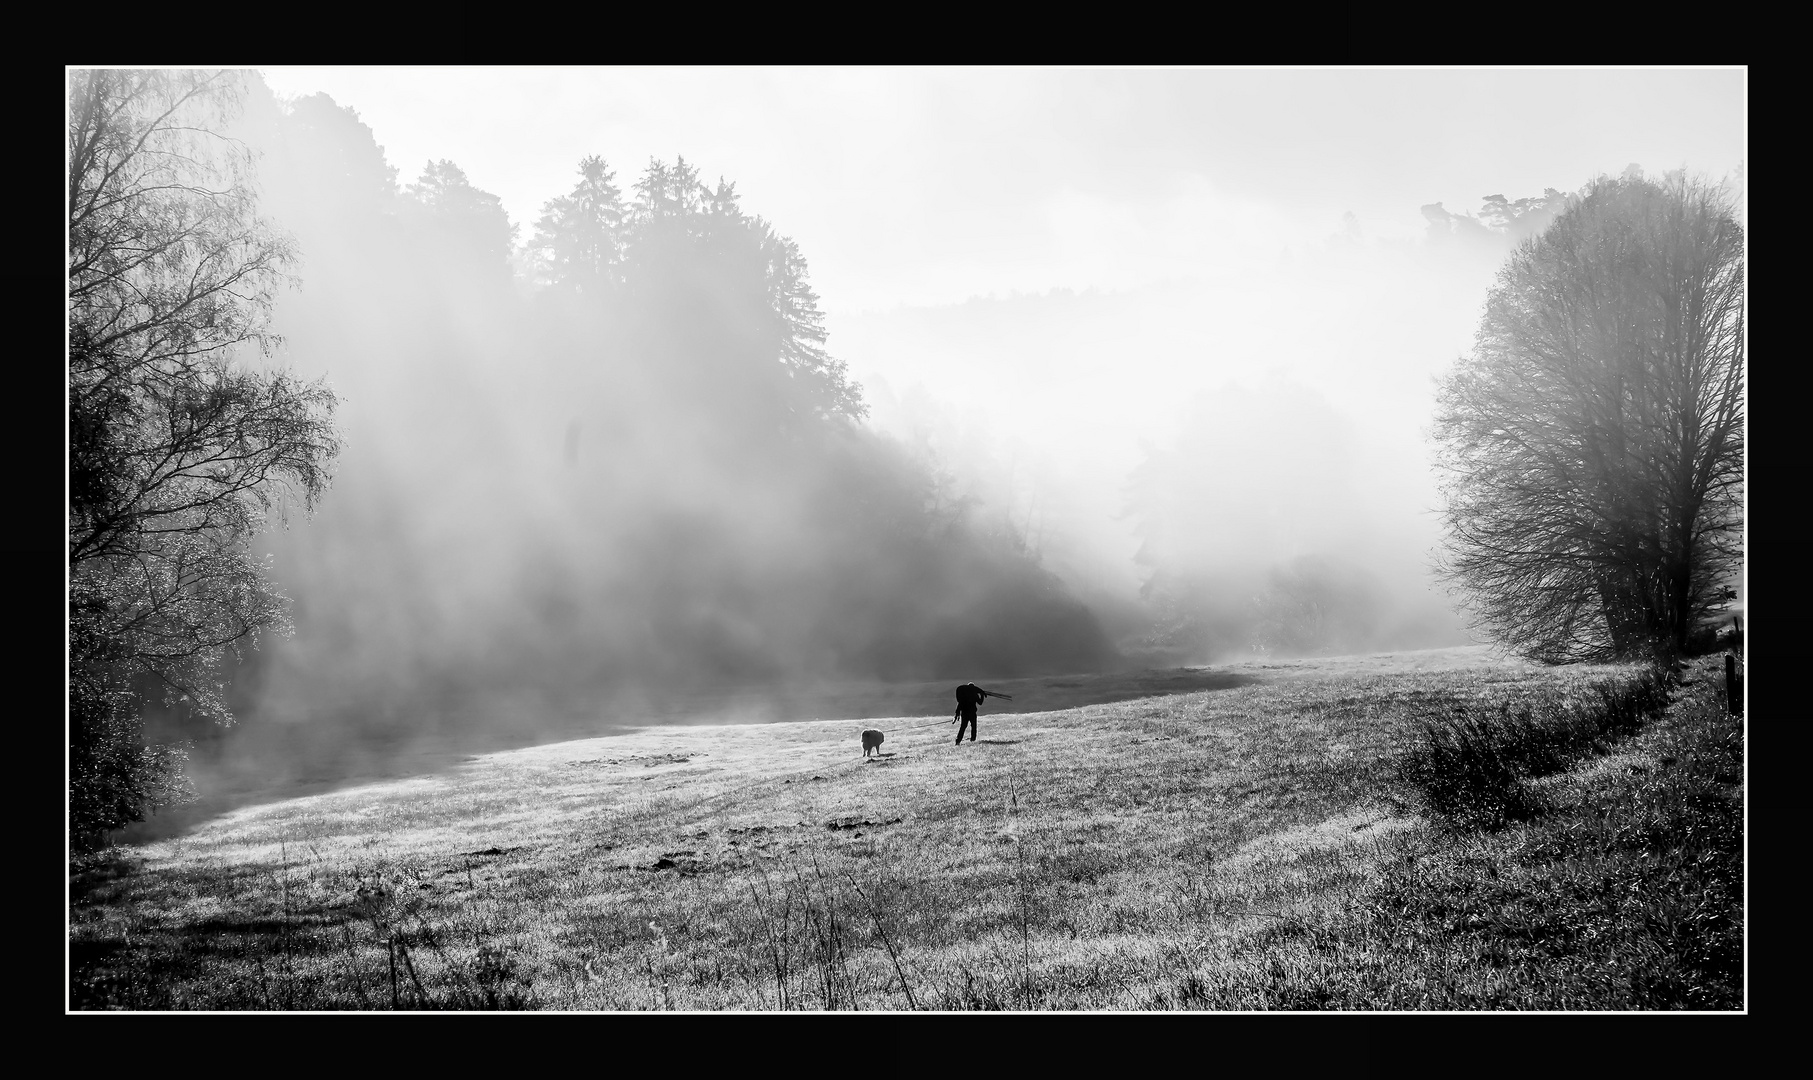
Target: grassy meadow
[(1273, 841)]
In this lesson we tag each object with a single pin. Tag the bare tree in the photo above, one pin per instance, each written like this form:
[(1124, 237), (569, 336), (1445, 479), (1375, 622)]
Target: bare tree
[(1593, 442), (179, 446)]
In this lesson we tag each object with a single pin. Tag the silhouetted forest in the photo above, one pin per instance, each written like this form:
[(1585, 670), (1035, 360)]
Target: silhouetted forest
[(609, 465)]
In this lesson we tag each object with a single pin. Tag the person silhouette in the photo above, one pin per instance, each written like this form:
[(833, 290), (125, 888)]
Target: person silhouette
[(969, 695)]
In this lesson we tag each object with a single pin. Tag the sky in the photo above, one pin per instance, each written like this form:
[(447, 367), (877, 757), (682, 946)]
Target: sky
[(1047, 275), (921, 186)]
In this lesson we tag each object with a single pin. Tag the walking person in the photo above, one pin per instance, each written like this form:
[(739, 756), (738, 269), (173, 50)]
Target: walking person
[(969, 695)]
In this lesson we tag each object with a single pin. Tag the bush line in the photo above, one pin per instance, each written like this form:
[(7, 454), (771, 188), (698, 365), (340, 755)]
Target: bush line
[(1469, 766)]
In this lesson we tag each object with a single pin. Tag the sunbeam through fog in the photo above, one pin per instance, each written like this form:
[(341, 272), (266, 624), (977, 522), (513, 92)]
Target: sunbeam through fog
[(1111, 370)]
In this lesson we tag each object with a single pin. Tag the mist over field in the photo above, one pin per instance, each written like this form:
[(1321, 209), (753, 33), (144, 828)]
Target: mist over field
[(502, 503), (563, 507), (576, 506)]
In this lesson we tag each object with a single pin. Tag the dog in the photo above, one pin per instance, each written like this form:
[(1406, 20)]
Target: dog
[(871, 740)]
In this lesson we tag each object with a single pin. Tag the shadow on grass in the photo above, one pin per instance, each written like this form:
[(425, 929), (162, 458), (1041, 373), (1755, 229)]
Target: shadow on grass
[(91, 872)]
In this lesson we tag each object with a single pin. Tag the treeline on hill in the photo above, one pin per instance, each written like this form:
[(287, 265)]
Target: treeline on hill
[(639, 463), (1269, 524), (613, 463), (1589, 450)]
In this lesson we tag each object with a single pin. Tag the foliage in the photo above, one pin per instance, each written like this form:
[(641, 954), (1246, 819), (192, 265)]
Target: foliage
[(113, 775), (1522, 219), (179, 450), (578, 240), (327, 148), (468, 222), (684, 248), (745, 493), (1623, 890), (1275, 552), (643, 472), (1471, 764), (1316, 604), (1593, 442), (1499, 219)]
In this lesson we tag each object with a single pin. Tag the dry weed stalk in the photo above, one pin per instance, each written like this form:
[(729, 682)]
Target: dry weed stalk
[(889, 945)]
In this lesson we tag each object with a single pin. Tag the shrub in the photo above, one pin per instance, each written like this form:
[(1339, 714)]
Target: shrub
[(114, 776), (1469, 766)]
